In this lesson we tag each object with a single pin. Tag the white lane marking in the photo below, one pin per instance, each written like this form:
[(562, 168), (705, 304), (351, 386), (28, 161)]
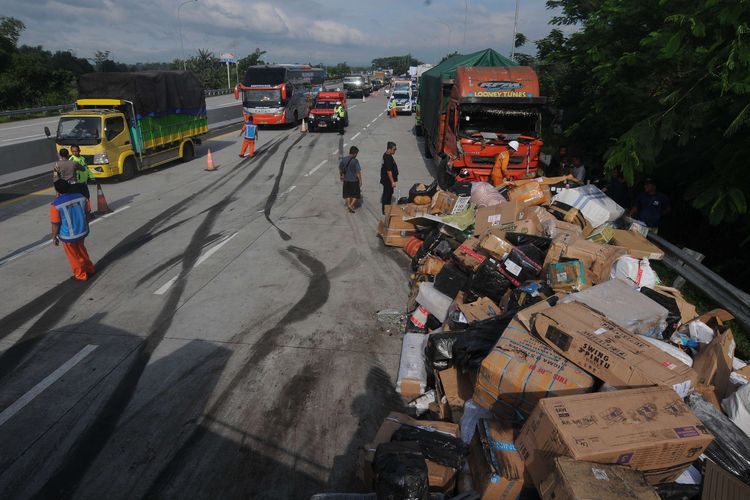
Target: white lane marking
[(22, 138), (381, 114), (318, 166), (374, 119), (45, 243), (287, 191), (346, 144), (28, 125), (355, 136), (166, 286), (226, 105), (47, 381), (335, 150), (109, 214), (352, 107)]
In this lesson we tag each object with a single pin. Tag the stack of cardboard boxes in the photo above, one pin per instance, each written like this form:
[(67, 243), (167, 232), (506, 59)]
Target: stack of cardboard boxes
[(580, 380)]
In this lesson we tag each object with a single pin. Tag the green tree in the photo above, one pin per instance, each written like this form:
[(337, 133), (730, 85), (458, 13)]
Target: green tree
[(399, 64), (207, 68), (252, 59)]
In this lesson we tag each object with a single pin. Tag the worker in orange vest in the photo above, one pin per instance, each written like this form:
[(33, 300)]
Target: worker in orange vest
[(500, 169), (249, 133)]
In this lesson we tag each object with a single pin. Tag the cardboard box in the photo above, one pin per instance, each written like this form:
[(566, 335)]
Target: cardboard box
[(530, 193), (602, 348), (443, 202), (648, 429), (637, 245), (496, 215), (453, 388), (497, 469), (597, 259), (574, 480), (479, 310), (565, 232), (442, 479), (520, 370), (495, 245), (721, 484), (524, 226), (567, 276), (602, 234), (713, 363), (468, 254)]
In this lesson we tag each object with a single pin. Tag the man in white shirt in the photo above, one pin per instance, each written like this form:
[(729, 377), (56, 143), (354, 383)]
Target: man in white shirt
[(579, 170)]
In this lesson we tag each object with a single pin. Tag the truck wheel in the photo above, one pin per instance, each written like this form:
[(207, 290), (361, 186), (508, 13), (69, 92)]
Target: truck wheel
[(188, 153), (128, 169)]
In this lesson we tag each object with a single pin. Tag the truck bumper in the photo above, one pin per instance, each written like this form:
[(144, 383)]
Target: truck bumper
[(269, 119), (104, 171)]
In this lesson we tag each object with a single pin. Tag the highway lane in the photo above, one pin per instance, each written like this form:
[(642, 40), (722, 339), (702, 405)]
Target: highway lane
[(30, 130), (226, 347)]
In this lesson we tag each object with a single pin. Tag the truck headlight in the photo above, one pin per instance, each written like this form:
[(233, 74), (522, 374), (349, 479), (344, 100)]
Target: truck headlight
[(101, 158)]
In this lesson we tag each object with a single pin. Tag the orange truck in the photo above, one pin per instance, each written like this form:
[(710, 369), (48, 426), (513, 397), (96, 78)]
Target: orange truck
[(322, 115), (470, 111)]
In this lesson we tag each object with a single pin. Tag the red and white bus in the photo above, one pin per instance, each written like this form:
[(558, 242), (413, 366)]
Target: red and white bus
[(277, 94)]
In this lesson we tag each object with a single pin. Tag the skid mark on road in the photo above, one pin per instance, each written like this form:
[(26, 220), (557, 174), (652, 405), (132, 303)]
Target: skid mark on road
[(275, 191)]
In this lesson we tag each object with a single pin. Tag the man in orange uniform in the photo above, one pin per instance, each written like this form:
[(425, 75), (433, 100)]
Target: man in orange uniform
[(250, 133), (500, 169), (69, 217)]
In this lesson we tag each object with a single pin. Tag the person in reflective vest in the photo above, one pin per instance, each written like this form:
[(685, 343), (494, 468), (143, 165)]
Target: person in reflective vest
[(500, 169), (69, 214), (393, 109), (338, 114), (82, 176), (250, 134)]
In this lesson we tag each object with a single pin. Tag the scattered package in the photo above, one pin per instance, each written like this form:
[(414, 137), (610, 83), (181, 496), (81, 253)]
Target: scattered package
[(497, 469), (597, 207), (412, 375)]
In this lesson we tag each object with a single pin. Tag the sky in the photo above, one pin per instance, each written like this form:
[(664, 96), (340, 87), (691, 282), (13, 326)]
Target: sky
[(327, 31)]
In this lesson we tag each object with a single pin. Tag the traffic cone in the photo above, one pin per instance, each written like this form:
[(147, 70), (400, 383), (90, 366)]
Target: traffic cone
[(303, 127), (101, 202), (210, 162), (363, 97)]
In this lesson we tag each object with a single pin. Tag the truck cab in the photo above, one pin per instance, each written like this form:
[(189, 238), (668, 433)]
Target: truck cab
[(322, 115), (489, 107)]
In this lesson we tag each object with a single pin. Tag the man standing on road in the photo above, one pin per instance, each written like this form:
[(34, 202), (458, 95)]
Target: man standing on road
[(393, 110), (500, 169), (81, 176), (69, 220), (388, 174), (650, 206), (351, 176), (249, 133), (67, 170), (339, 113)]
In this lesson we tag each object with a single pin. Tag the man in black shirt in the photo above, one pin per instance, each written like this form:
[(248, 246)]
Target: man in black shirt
[(388, 174)]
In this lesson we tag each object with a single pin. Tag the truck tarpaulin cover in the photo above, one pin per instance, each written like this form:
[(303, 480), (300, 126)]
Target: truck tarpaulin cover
[(431, 83), (151, 92)]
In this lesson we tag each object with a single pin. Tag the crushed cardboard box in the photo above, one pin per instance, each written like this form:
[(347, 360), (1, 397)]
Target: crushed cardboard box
[(467, 254), (520, 370), (567, 276), (649, 429), (497, 469), (575, 480), (602, 348), (441, 478), (498, 215), (479, 310), (597, 259), (495, 243)]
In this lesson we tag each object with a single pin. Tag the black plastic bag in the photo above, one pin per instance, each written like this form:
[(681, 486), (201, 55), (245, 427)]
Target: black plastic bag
[(430, 238), (461, 188), (674, 491), (528, 294), (400, 472), (518, 239), (489, 282), (443, 249), (523, 263), (731, 446), (437, 446), (450, 280), (466, 348), (427, 191), (674, 317)]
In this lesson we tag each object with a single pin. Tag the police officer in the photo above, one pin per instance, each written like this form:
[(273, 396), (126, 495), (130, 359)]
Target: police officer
[(338, 113)]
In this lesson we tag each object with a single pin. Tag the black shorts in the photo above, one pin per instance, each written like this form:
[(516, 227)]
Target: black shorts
[(351, 189)]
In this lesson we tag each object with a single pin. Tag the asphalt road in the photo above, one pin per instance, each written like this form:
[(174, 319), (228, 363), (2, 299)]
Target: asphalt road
[(227, 346), (29, 130)]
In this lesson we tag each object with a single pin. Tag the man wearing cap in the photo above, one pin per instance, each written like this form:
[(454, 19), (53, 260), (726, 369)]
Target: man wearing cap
[(500, 169), (650, 206)]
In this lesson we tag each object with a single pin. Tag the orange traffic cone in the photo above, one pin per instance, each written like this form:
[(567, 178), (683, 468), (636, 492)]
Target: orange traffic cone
[(210, 165), (101, 202)]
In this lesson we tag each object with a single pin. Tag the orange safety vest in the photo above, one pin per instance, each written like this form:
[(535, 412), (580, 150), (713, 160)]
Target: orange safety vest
[(500, 168)]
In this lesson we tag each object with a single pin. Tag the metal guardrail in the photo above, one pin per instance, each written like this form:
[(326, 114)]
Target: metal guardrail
[(724, 293), (31, 111)]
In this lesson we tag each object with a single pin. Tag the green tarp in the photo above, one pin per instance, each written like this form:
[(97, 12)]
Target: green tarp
[(431, 84)]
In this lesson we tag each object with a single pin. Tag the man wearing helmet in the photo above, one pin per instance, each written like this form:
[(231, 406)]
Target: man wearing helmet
[(500, 169)]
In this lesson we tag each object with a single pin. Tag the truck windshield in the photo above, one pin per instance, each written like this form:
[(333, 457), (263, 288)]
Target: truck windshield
[(402, 87), (325, 105), (502, 120), (79, 130), (262, 98)]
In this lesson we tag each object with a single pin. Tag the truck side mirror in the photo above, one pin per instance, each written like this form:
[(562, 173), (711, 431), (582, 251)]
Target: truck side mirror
[(47, 132)]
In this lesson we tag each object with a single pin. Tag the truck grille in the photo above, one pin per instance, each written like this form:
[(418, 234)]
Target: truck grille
[(89, 159), (483, 160)]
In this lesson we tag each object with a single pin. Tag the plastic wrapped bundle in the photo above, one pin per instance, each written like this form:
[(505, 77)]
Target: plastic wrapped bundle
[(401, 472), (518, 239), (731, 447), (436, 446), (489, 282), (484, 194)]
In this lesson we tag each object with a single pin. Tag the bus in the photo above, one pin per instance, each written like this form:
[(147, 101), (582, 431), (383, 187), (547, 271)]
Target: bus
[(278, 94)]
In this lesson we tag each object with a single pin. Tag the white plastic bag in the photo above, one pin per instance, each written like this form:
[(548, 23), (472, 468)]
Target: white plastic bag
[(434, 301), (673, 351), (412, 364), (635, 272), (484, 194), (737, 407), (595, 206)]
